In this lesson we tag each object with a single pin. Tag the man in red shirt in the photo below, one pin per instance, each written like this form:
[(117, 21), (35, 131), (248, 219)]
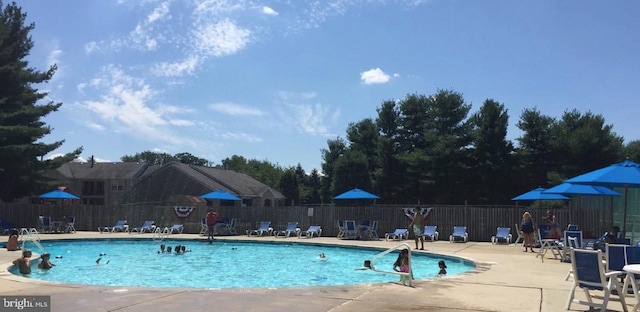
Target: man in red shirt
[(212, 217)]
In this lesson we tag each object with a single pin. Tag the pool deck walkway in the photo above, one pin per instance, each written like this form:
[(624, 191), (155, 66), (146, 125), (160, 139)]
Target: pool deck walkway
[(506, 279)]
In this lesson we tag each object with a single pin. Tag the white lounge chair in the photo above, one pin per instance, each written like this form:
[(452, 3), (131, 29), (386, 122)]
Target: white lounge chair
[(265, 227), (147, 226), (292, 227), (398, 234), (459, 234), (430, 232), (175, 228), (313, 230), (502, 234), (120, 226)]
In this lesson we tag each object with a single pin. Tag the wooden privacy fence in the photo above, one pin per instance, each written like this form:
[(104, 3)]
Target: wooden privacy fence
[(481, 221)]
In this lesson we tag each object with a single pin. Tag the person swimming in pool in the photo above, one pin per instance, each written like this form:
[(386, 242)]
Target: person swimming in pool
[(45, 262), (323, 257), (161, 249)]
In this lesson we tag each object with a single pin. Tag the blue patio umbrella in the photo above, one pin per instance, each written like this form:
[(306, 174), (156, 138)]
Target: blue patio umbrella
[(538, 194), (580, 189), (220, 194), (625, 174), (58, 194), (356, 193)]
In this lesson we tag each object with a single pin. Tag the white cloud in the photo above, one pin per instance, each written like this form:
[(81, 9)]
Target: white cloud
[(269, 11), (220, 39), (91, 46), (159, 13), (176, 69), (303, 116), (374, 76), (54, 57), (241, 136), (235, 109), (181, 122)]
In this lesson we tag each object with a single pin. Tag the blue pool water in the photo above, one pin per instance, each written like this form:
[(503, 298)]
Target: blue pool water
[(225, 264)]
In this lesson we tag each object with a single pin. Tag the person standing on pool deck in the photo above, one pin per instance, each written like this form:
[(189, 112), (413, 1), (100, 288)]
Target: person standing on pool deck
[(212, 218), (527, 227), (416, 224)]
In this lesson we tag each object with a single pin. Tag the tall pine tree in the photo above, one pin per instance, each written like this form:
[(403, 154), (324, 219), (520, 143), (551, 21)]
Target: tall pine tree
[(22, 167)]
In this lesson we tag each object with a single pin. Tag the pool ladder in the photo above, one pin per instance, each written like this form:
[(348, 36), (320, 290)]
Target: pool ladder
[(31, 234), (159, 234), (370, 264)]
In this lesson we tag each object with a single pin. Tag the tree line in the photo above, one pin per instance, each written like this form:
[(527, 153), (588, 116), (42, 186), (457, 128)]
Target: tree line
[(421, 149)]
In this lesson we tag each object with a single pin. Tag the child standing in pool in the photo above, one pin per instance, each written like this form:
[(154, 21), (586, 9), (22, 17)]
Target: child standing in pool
[(402, 265), (443, 268)]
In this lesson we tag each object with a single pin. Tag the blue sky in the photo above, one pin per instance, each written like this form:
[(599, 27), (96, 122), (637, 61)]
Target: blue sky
[(274, 80)]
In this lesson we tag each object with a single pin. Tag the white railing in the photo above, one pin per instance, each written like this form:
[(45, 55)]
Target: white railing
[(371, 263), (31, 234), (159, 234)]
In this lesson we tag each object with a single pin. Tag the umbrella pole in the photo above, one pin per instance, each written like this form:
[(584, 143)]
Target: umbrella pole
[(624, 216)]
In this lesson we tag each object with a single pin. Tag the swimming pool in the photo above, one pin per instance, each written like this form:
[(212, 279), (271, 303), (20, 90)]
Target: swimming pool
[(225, 264)]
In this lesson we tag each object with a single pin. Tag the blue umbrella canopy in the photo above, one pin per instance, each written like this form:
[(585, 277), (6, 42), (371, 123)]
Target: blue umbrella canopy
[(356, 193), (625, 174), (220, 194), (538, 194), (58, 194), (580, 189)]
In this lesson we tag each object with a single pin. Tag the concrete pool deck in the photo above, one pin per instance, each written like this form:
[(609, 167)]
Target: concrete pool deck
[(506, 279)]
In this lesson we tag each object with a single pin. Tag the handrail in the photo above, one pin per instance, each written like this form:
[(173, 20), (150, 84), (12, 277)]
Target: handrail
[(371, 264), (159, 234), (36, 241)]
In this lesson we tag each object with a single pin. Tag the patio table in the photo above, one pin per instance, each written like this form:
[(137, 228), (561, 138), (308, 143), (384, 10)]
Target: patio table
[(633, 269)]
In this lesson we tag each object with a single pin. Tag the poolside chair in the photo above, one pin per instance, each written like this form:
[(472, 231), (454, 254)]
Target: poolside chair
[(204, 228), (578, 242), (502, 234), (45, 225), (371, 232), (175, 228), (520, 238), (547, 244), (589, 274), (69, 224), (227, 228), (292, 227), (147, 226), (572, 227), (120, 226), (350, 230), (313, 230), (265, 227), (430, 232), (459, 234), (398, 234), (341, 229)]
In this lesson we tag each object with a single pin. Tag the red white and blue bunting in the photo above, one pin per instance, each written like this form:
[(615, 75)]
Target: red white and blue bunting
[(183, 211)]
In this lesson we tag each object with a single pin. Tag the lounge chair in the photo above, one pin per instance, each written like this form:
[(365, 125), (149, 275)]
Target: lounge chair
[(520, 238), (265, 227), (292, 227), (547, 244), (577, 238), (313, 230), (459, 234), (147, 226), (204, 228), (120, 226), (69, 224), (371, 232), (341, 229), (175, 228), (45, 225), (502, 234), (227, 228), (589, 274), (398, 234), (430, 232)]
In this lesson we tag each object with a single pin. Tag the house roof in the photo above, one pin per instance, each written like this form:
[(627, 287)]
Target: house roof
[(213, 179), (102, 171)]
